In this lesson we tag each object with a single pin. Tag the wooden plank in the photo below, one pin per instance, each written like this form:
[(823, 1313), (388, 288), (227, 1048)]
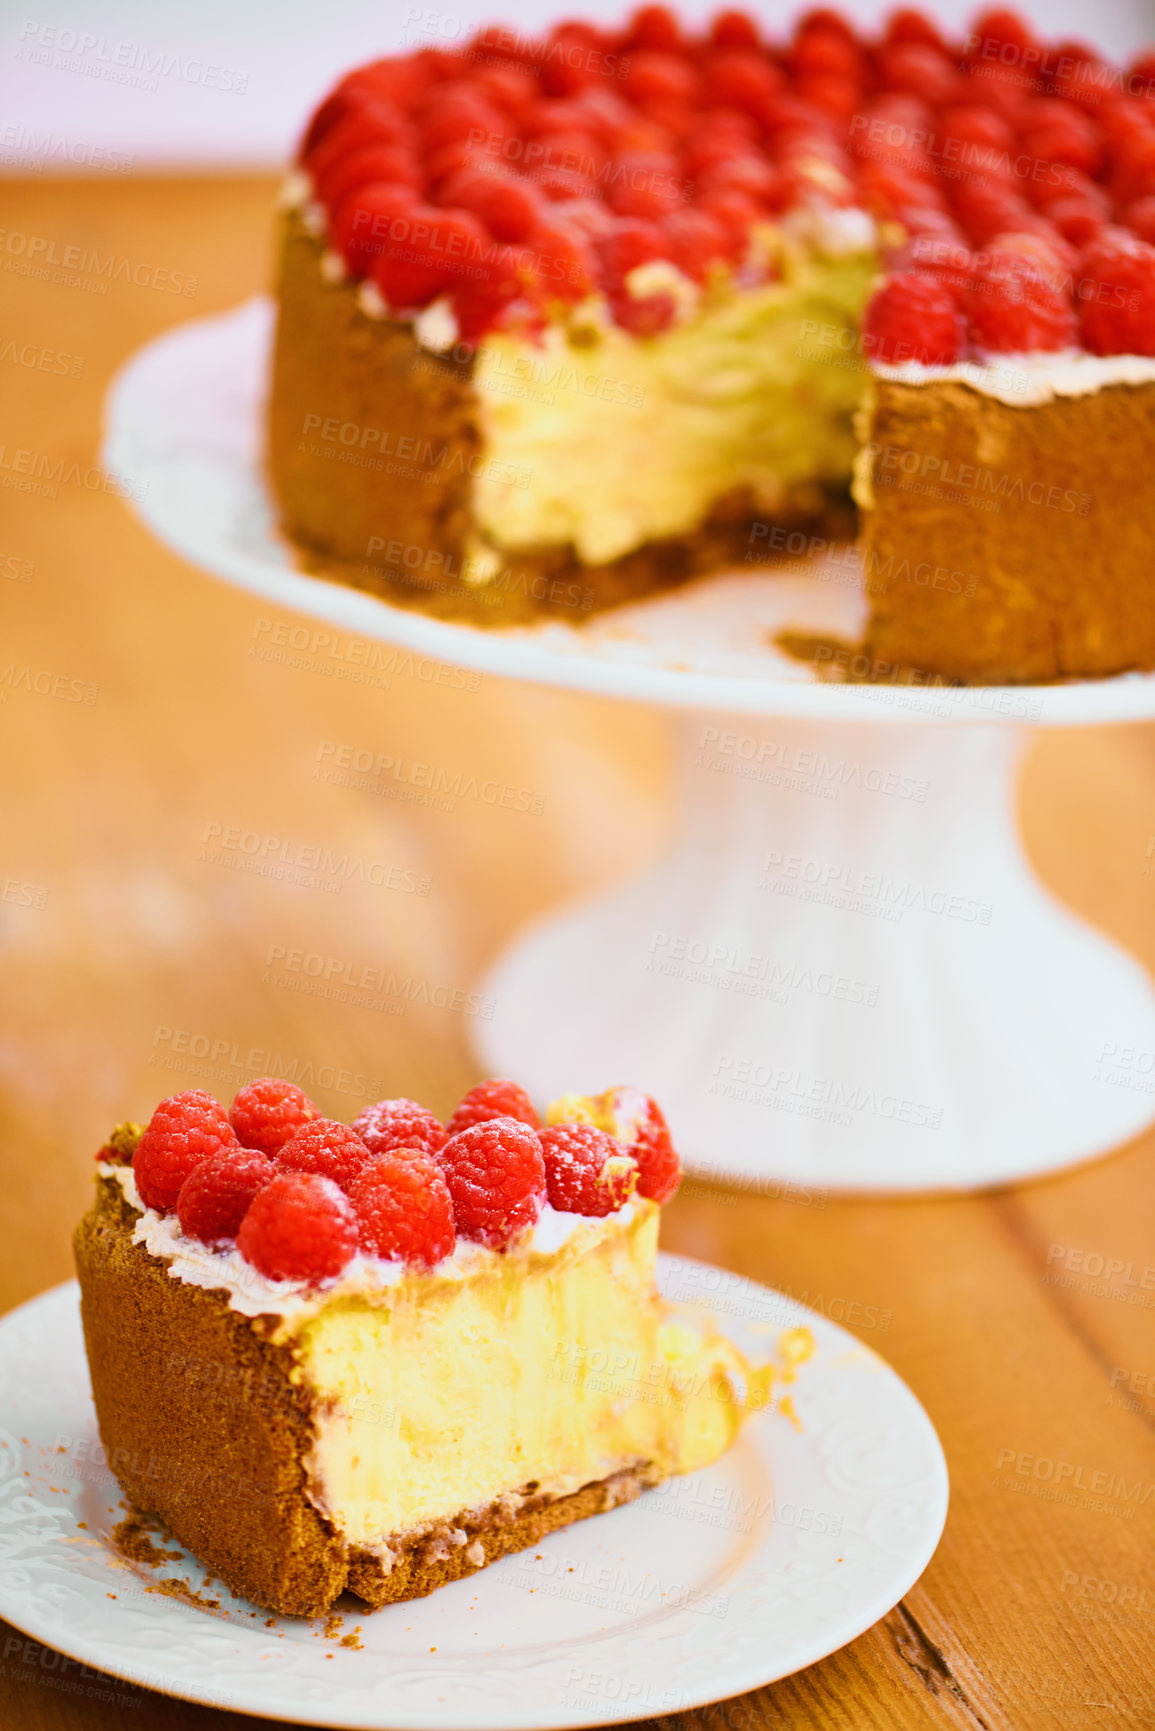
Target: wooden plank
[(1033, 1613)]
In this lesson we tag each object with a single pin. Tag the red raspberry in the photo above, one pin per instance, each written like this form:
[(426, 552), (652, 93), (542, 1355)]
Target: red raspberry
[(400, 1124), (361, 223), (1116, 289), (215, 1196), (586, 1171), (266, 1113), (299, 1227), (1018, 305), (494, 1099), (735, 30), (184, 1130), (496, 1176), (920, 69), (326, 1148), (509, 208), (911, 26), (635, 1120), (654, 27), (1139, 217), (390, 163), (696, 241), (361, 128), (403, 1208), (1001, 29), (1080, 220), (427, 251), (912, 318)]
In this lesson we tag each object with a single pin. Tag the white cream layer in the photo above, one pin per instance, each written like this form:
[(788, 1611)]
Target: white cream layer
[(1025, 381), (253, 1294)]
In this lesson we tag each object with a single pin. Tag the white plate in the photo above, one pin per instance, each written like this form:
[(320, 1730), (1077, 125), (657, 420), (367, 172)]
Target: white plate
[(184, 431), (787, 1548)]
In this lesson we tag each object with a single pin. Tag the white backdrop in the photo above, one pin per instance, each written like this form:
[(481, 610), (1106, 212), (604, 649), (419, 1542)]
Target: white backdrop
[(179, 83)]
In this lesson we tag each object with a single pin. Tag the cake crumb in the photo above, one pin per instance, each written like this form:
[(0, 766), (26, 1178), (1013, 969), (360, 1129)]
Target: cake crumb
[(172, 1588), (352, 1640), (131, 1539), (333, 1626), (110, 1595), (270, 1622), (83, 1525)]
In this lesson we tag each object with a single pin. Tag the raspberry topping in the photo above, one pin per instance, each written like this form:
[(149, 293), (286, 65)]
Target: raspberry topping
[(266, 1113), (403, 1208), (494, 1099), (299, 1227), (184, 1130), (448, 172), (329, 1149), (635, 1121), (496, 1176), (1017, 304), (913, 318), (400, 1124), (215, 1196), (586, 1171), (1117, 295)]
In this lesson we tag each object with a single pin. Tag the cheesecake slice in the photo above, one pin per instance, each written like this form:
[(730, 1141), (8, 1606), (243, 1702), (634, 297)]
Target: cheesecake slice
[(463, 1383)]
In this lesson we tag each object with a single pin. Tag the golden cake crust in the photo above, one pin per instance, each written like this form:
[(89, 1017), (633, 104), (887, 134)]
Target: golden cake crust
[(410, 502), (203, 1427), (1007, 544)]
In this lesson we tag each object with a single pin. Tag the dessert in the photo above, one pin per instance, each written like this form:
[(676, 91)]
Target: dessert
[(377, 1357), (566, 320)]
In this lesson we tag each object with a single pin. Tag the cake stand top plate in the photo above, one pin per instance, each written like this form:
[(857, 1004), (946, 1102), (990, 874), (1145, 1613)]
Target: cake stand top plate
[(184, 432)]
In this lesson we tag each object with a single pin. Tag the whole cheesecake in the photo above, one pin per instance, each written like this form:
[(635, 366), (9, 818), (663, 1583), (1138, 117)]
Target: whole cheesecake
[(569, 320), (378, 1358)]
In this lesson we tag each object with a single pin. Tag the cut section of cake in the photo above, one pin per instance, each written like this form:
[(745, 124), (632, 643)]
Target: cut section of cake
[(570, 319), (377, 1358)]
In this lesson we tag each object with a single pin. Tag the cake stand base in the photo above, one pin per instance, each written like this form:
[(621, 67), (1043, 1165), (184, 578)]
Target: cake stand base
[(844, 973)]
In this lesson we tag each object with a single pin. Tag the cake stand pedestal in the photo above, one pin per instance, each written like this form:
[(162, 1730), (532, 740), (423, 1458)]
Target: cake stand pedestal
[(844, 972)]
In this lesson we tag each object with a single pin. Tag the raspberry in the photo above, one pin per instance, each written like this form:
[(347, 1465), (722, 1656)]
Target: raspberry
[(403, 1208), (509, 208), (1139, 217), (1018, 305), (266, 1113), (215, 1196), (428, 250), (920, 69), (361, 222), (696, 240), (586, 1171), (911, 26), (496, 1176), (1080, 220), (735, 30), (494, 1099), (635, 1121), (1117, 294), (184, 1130), (912, 318), (400, 1124), (654, 27), (299, 1227), (326, 1148), (390, 163)]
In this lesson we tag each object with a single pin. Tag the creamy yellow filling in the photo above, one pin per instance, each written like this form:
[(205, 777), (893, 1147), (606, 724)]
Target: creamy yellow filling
[(617, 440), (438, 1397)]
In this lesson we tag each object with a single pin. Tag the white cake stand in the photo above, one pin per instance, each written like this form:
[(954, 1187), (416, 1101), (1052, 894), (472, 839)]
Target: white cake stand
[(843, 973)]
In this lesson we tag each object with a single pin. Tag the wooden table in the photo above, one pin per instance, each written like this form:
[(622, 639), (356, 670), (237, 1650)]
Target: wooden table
[(1033, 1613)]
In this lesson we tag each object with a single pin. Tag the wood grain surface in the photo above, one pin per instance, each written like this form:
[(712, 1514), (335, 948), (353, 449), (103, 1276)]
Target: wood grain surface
[(1033, 1613)]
